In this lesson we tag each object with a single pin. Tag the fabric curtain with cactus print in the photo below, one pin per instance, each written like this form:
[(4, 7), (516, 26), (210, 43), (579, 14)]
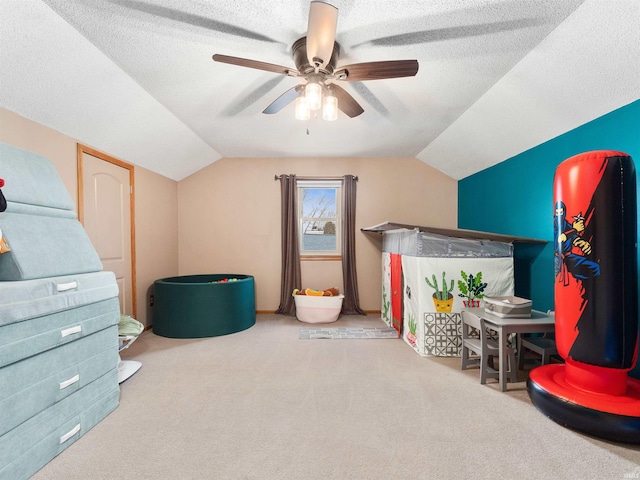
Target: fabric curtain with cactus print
[(396, 291), (437, 289)]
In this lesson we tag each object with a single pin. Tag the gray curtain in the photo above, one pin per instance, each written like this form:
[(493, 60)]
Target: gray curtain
[(351, 303), (291, 276)]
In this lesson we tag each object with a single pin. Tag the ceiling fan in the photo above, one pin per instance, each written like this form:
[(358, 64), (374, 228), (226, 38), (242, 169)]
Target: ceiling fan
[(315, 57)]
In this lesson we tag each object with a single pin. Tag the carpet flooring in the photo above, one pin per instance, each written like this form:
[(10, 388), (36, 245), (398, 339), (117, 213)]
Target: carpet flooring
[(262, 404)]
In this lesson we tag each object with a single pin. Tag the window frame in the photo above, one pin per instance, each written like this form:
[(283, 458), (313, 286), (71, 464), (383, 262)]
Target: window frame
[(320, 183)]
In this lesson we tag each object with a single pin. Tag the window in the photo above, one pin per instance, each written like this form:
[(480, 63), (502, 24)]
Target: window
[(319, 217)]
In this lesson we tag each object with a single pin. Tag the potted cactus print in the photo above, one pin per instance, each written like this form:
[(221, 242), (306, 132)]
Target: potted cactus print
[(471, 289), (411, 336), (386, 306), (442, 298)]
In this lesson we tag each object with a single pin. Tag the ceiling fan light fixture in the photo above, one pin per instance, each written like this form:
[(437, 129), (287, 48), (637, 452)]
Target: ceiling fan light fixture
[(316, 58), (313, 94), (330, 107), (302, 108), (321, 33)]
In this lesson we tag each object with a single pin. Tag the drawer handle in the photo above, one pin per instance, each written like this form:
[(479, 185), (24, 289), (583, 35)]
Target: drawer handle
[(71, 381), (63, 287), (70, 331), (70, 434)]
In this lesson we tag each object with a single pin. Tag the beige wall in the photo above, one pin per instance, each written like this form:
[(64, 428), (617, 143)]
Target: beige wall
[(229, 218), (156, 234), (156, 211), (226, 217), (60, 149)]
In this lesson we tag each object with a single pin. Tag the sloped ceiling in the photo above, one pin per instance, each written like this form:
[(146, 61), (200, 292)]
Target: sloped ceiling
[(135, 78)]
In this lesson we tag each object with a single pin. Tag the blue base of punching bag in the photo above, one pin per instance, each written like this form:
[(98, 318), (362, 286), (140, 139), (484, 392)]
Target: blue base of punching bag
[(611, 417)]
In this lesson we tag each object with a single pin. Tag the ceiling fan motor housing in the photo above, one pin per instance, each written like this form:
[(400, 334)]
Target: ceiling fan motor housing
[(299, 50)]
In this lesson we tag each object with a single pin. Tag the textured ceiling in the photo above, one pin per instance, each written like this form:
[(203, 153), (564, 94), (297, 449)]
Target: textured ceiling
[(135, 78)]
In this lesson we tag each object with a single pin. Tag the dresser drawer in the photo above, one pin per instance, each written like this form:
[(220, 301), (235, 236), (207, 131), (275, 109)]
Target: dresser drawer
[(35, 383), (31, 337), (33, 443)]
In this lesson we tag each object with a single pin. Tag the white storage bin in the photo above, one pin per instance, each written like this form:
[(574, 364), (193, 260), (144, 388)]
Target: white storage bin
[(310, 309), (508, 307)]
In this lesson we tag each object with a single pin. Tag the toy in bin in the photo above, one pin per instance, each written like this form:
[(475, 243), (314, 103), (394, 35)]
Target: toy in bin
[(318, 306), (508, 307)]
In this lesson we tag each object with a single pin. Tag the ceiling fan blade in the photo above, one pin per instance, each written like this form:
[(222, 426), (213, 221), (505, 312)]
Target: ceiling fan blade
[(243, 62), (177, 15), (377, 70), (283, 100), (369, 97), (450, 33), (238, 105), (346, 102), (321, 33)]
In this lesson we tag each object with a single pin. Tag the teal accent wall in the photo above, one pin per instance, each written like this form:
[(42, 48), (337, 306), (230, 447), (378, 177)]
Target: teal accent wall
[(515, 197)]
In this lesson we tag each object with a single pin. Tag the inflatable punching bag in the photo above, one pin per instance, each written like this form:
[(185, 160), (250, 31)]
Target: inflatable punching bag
[(596, 300)]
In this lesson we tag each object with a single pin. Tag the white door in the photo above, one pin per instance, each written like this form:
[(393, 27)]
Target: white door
[(106, 199)]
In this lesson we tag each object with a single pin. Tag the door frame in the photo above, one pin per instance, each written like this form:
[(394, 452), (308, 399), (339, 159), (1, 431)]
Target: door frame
[(82, 149)]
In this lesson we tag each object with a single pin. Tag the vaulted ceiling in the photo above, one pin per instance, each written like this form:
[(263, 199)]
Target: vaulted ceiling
[(136, 79)]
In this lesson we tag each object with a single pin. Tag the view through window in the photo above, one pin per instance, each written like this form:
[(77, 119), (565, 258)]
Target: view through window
[(319, 217)]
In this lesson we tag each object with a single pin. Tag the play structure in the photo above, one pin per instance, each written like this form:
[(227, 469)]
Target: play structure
[(596, 300), (430, 274)]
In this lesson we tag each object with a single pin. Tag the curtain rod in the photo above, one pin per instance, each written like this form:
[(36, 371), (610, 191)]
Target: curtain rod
[(278, 177)]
